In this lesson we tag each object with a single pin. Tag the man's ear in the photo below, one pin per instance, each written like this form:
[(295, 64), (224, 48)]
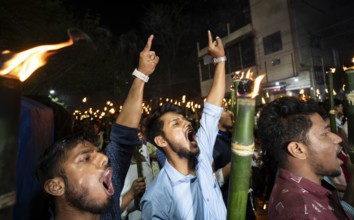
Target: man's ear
[(160, 141), (297, 150), (55, 186)]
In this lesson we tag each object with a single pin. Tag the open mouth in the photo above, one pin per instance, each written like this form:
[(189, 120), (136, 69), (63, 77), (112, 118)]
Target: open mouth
[(190, 135), (340, 151), (107, 181)]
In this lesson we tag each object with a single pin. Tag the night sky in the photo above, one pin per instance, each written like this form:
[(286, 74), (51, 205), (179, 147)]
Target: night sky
[(116, 16)]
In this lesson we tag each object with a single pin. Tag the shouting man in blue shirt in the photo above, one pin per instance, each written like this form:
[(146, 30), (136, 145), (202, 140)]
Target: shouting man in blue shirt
[(185, 187)]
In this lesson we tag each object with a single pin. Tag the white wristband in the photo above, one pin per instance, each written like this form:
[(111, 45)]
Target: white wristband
[(220, 59), (140, 75)]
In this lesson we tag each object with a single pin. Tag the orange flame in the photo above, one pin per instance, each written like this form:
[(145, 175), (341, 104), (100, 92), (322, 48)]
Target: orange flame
[(257, 85), (349, 68), (24, 63), (257, 82)]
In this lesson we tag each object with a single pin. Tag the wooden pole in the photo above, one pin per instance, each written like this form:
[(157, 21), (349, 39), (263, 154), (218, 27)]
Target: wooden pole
[(332, 112)]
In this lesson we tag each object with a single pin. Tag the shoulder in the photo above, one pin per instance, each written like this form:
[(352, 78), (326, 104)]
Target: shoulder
[(160, 188), (282, 206), (291, 203), (157, 201)]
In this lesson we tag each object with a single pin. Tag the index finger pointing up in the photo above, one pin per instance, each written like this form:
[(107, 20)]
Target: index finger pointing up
[(210, 38), (148, 43)]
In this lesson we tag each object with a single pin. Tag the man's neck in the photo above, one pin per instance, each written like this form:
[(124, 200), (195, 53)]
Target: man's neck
[(183, 165), (68, 212)]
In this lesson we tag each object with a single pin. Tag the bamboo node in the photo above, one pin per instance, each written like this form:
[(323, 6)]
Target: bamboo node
[(243, 150)]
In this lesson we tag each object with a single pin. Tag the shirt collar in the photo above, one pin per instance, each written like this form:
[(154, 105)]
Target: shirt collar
[(305, 183), (175, 176)]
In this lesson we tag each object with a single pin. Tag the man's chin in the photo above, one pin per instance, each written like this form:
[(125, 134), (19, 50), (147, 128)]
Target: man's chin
[(335, 173)]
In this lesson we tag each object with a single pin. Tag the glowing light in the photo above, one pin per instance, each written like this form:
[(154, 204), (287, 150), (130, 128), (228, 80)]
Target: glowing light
[(263, 101), (23, 64)]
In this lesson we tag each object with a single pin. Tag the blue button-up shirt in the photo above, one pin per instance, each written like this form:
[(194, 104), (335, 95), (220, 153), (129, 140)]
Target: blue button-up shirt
[(173, 195)]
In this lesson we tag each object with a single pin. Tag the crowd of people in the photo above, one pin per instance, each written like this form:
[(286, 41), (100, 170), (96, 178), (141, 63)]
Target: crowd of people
[(164, 167)]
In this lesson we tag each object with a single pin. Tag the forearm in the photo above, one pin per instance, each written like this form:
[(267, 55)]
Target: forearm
[(131, 110), (222, 174), (226, 171), (126, 200), (217, 91)]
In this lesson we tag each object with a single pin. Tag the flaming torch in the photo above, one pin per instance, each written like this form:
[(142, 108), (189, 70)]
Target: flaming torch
[(350, 109), (242, 146), (14, 69)]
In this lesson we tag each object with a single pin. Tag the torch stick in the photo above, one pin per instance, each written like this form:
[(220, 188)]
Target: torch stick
[(350, 111), (242, 151), (233, 91), (233, 99), (332, 112), (139, 167), (138, 161), (234, 105)]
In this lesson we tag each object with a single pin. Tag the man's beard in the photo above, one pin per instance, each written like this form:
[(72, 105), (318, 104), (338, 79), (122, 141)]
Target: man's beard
[(182, 152), (78, 198), (320, 168)]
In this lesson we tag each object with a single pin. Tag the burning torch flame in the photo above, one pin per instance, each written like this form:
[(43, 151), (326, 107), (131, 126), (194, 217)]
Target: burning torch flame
[(349, 68), (23, 64), (257, 84)]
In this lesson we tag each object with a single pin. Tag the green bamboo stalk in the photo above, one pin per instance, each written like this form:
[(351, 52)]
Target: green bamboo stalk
[(234, 107), (350, 111), (241, 157), (233, 99), (332, 112)]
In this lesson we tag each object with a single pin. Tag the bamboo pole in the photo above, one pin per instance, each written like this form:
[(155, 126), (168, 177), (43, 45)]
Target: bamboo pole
[(242, 147), (237, 78), (332, 112), (241, 157), (234, 105), (233, 99)]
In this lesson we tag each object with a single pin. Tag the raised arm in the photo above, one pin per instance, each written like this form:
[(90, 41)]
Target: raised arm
[(131, 110), (217, 90)]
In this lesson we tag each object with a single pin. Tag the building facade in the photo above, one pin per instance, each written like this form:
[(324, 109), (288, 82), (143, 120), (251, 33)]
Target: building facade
[(293, 42)]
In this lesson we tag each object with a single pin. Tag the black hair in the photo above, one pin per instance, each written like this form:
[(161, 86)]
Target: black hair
[(154, 125), (50, 162), (284, 120)]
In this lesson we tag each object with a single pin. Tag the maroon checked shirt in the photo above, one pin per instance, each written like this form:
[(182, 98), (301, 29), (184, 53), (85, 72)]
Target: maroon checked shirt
[(295, 197)]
